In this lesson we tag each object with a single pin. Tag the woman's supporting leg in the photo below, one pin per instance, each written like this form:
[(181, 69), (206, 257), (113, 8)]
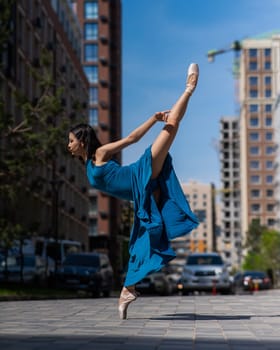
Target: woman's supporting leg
[(163, 142), (128, 295)]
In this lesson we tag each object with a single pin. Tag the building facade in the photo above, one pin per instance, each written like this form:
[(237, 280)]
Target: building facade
[(231, 237), (60, 205), (201, 198), (259, 86), (101, 58)]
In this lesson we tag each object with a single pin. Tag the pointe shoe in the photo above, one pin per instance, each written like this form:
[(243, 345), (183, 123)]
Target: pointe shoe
[(124, 301), (192, 78)]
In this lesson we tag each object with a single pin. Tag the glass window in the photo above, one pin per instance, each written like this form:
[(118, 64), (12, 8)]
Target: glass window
[(268, 136), (269, 150), (268, 108), (255, 207), (93, 95), (267, 65), (269, 179), (254, 150), (253, 93), (255, 179), (267, 80), (91, 73), (269, 207), (93, 227), (269, 164), (253, 81), (254, 121), (269, 193), (254, 108), (267, 52), (93, 116), (91, 52), (254, 164), (90, 31), (255, 193), (253, 66), (253, 52), (268, 121), (267, 92), (91, 10), (254, 136)]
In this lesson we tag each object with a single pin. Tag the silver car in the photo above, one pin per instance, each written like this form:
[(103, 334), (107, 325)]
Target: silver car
[(205, 272)]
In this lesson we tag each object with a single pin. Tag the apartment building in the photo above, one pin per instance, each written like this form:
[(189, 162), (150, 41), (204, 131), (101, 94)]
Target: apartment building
[(230, 234), (259, 87), (101, 58), (201, 198), (60, 205)]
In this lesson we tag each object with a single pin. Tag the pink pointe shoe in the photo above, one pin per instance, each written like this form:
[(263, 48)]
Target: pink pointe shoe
[(125, 299), (192, 78)]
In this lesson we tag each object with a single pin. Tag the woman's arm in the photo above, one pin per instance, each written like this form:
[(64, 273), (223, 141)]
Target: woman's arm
[(105, 152)]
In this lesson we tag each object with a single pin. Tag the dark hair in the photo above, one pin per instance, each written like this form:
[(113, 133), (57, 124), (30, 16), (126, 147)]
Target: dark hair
[(87, 135)]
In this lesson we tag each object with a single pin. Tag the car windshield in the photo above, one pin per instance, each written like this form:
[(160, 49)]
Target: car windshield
[(82, 260), (254, 274), (204, 260)]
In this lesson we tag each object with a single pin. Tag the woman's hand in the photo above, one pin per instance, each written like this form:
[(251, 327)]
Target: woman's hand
[(162, 116)]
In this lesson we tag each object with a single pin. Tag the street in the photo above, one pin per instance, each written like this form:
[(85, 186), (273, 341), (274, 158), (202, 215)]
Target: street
[(195, 322)]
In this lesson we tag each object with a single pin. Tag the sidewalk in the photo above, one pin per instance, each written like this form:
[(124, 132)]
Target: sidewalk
[(201, 322)]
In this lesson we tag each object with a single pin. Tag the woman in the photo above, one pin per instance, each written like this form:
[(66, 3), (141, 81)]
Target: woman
[(161, 211)]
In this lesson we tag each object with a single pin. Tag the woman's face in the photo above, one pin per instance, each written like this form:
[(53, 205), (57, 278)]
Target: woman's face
[(75, 147)]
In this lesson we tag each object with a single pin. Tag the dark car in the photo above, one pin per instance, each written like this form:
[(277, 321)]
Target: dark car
[(90, 272), (251, 281)]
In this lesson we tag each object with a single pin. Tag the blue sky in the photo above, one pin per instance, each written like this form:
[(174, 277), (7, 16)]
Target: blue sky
[(159, 40)]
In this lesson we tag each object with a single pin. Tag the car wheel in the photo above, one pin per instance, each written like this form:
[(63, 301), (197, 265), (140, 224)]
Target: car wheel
[(106, 293)]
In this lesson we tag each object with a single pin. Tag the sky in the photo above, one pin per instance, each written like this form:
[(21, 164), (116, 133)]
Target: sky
[(160, 38)]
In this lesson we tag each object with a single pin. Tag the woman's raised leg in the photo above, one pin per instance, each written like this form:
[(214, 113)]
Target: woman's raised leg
[(164, 140)]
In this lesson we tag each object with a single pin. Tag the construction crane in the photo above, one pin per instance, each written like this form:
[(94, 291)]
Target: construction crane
[(236, 46)]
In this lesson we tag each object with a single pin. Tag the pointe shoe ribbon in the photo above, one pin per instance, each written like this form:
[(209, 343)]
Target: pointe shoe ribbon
[(192, 78)]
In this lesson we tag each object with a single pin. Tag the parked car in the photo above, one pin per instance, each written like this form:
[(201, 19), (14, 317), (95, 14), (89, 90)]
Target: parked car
[(251, 280), (156, 283), (33, 269), (90, 272), (205, 272)]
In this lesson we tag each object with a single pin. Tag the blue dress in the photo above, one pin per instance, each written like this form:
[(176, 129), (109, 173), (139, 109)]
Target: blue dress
[(154, 225)]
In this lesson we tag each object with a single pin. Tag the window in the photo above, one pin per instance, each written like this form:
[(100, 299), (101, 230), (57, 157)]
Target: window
[(269, 164), (269, 179), (90, 31), (267, 52), (270, 222), (253, 81), (268, 136), (268, 108), (91, 10), (253, 52), (269, 207), (254, 136), (93, 227), (255, 179), (268, 121), (269, 193), (254, 122), (253, 108), (91, 73), (267, 80), (253, 93), (269, 150), (267, 65), (93, 95), (253, 66), (93, 116), (91, 52), (254, 164), (254, 150), (255, 207), (267, 92), (255, 193)]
